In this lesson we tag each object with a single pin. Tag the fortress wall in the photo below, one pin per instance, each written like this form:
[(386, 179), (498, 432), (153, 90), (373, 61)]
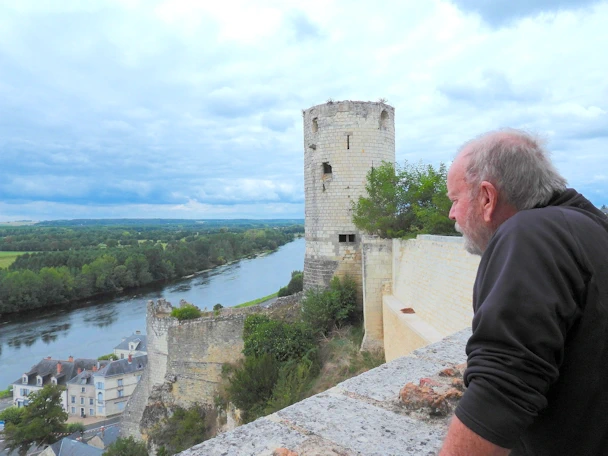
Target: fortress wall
[(435, 275), (185, 360), (377, 273)]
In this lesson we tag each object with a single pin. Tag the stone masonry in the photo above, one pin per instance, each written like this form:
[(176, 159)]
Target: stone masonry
[(362, 416), (342, 142)]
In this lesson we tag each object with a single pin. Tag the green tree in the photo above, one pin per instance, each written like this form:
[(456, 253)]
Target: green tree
[(41, 421), (126, 447), (402, 201)]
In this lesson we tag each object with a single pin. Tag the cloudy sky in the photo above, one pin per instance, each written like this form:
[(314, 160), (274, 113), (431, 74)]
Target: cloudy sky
[(192, 109)]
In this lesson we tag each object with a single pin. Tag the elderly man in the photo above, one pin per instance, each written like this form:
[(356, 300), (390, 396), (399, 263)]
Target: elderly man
[(537, 372)]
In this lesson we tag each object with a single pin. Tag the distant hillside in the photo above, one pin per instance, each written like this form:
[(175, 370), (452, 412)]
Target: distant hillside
[(232, 223)]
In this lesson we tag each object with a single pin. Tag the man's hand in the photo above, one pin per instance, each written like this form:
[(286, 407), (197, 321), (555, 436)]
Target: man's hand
[(461, 441)]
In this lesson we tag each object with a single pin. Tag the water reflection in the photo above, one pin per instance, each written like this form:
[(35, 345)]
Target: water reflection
[(31, 336), (103, 317)]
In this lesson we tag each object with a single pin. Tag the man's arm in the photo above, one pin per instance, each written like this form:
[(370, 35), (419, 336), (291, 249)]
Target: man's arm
[(461, 441)]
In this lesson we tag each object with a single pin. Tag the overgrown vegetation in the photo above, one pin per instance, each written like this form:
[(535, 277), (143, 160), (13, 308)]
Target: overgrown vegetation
[(323, 310), (404, 201), (184, 429), (126, 446), (295, 285), (186, 312), (109, 356), (283, 359)]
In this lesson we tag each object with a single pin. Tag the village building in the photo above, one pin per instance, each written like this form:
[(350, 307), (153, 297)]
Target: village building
[(134, 345), (51, 372), (115, 383)]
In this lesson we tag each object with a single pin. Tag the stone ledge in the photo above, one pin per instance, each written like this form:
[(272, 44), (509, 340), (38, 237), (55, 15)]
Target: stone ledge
[(361, 416)]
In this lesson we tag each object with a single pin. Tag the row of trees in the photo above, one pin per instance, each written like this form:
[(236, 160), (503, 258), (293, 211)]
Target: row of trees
[(47, 279), (59, 238)]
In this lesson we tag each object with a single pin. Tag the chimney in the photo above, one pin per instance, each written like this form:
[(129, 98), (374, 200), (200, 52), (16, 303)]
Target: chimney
[(58, 367), (138, 332), (130, 358), (79, 370), (94, 368), (70, 359), (48, 357)]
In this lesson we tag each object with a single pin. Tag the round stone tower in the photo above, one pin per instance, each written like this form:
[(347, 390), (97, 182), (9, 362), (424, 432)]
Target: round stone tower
[(342, 141)]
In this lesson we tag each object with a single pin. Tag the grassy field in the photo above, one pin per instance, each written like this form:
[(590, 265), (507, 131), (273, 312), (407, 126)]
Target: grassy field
[(259, 300), (8, 258)]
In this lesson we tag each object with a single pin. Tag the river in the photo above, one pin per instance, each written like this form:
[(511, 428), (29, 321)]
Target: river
[(94, 330)]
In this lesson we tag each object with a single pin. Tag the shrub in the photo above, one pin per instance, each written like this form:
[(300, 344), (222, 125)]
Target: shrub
[(186, 312), (323, 310), (296, 284), (109, 356), (12, 415), (282, 340), (294, 381), (75, 427), (184, 429), (251, 385), (126, 447), (217, 307)]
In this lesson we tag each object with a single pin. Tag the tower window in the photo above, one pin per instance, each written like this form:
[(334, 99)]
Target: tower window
[(315, 125), (348, 141), (383, 120), (346, 237), (326, 168)]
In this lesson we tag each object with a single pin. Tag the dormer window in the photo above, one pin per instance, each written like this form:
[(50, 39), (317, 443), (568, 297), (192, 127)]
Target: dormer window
[(39, 380), (24, 380), (53, 380)]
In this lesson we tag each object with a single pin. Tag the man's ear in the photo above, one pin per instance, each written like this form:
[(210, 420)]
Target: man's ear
[(488, 196)]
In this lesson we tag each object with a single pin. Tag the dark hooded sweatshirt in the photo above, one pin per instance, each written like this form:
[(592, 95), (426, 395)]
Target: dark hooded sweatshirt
[(537, 371)]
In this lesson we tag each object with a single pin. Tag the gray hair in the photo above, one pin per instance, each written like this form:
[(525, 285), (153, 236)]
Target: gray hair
[(517, 164)]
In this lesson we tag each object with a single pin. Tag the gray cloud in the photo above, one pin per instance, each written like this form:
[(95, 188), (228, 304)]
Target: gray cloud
[(498, 13)]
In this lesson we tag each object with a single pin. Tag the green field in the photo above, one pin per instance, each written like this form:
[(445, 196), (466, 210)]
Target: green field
[(7, 258), (258, 301)]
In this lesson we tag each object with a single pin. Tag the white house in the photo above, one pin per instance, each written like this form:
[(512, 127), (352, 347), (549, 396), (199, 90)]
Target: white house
[(51, 372), (115, 383)]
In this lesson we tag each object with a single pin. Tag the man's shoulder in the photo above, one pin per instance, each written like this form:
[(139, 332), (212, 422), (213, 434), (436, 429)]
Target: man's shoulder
[(547, 218)]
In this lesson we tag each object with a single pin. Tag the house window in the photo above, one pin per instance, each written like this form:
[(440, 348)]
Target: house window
[(100, 398), (91, 401), (25, 391), (54, 381), (120, 382), (24, 380), (73, 399), (39, 381), (91, 412), (82, 401), (121, 393), (99, 409), (122, 356), (120, 405), (73, 410), (99, 385), (82, 390)]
